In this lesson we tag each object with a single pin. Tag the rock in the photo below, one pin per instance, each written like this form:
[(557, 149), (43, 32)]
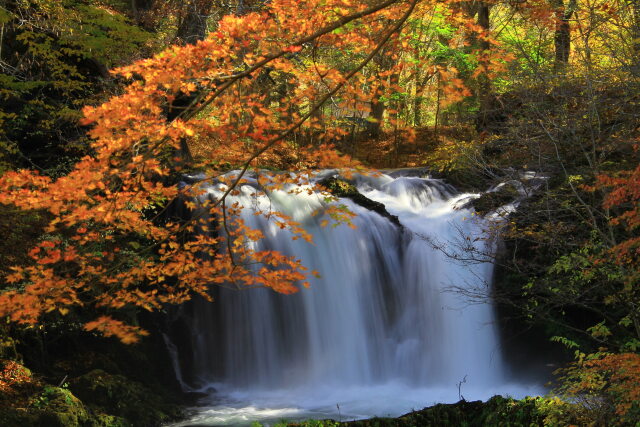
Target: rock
[(102, 420), (497, 411), (341, 188), (60, 408), (56, 407), (492, 200), (122, 397)]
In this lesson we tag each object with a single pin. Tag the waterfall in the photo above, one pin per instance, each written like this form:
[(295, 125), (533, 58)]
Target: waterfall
[(386, 329)]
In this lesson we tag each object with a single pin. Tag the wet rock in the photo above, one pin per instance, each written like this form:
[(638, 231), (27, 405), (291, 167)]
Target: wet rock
[(341, 188), (497, 411), (492, 200)]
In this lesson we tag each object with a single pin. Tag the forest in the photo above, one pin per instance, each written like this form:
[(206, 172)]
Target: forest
[(200, 197)]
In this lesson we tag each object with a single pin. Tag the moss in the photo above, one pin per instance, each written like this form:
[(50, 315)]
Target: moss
[(120, 396), (53, 406), (341, 188), (60, 408), (102, 420), (497, 411)]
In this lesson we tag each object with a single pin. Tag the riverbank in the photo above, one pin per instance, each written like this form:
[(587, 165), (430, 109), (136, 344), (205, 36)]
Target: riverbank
[(497, 411)]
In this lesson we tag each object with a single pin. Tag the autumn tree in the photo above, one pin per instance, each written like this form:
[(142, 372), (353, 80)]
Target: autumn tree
[(105, 248)]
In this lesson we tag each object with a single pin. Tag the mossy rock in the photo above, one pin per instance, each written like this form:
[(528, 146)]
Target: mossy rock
[(341, 188), (102, 420), (466, 180), (60, 408), (57, 407), (497, 411), (493, 200), (122, 397)]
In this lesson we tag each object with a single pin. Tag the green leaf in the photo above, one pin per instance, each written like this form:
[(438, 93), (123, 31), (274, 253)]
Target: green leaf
[(5, 16)]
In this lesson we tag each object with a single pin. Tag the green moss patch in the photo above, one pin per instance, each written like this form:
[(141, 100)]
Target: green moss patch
[(122, 397)]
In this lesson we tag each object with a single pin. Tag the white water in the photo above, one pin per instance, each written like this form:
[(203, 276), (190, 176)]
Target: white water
[(381, 333)]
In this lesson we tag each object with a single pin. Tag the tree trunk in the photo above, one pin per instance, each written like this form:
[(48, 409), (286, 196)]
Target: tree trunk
[(635, 33), (481, 12), (377, 112), (484, 10), (484, 84), (192, 28), (384, 62), (417, 101), (394, 82), (562, 37)]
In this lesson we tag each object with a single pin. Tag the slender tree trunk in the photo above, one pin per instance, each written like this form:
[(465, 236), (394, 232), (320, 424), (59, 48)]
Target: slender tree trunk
[(421, 87), (562, 41), (635, 33), (192, 27), (481, 12), (384, 62), (417, 102), (484, 84), (484, 10), (394, 81), (562, 36), (439, 93), (377, 112)]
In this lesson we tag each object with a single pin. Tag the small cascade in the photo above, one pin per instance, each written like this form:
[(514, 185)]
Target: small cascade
[(387, 328)]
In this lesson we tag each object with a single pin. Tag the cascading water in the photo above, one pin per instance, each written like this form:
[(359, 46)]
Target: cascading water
[(380, 333)]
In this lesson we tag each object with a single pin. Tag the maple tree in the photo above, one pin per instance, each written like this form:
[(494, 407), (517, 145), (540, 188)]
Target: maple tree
[(109, 243), (104, 249), (624, 195)]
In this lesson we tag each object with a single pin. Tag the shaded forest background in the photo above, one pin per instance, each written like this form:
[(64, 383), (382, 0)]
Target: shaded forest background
[(477, 92)]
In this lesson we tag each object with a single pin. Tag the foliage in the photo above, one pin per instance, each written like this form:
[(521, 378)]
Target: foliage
[(55, 56), (86, 258), (13, 374), (624, 197), (606, 386), (564, 241)]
